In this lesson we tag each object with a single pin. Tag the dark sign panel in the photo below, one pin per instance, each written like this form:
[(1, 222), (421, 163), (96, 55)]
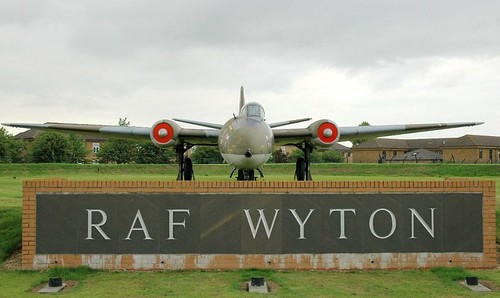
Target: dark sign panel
[(180, 223)]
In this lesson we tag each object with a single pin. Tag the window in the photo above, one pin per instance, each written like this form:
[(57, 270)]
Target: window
[(394, 153), (95, 147), (480, 153), (253, 110)]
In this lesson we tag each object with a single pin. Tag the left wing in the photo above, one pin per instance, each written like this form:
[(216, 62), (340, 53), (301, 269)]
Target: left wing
[(324, 133), (162, 133)]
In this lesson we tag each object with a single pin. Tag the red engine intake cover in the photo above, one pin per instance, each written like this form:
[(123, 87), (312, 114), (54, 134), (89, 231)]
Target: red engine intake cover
[(324, 132), (164, 133), (328, 133)]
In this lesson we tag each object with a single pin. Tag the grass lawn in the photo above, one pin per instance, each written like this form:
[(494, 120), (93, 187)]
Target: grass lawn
[(84, 282)]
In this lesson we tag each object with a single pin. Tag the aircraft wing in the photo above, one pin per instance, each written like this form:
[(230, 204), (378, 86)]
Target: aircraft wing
[(355, 132), (349, 133), (189, 136)]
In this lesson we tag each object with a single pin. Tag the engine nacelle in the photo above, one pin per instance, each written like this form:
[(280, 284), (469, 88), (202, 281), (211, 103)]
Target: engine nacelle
[(325, 133), (164, 133)]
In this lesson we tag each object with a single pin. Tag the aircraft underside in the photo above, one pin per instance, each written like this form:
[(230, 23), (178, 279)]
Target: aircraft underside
[(246, 167)]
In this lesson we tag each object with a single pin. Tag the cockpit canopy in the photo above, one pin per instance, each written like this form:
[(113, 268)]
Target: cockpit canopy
[(253, 109)]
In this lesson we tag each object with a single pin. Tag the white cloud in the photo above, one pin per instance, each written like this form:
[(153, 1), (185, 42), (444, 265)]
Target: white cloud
[(351, 61)]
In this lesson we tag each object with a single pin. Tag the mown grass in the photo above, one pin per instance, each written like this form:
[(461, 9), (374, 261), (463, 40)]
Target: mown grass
[(438, 282), (442, 282)]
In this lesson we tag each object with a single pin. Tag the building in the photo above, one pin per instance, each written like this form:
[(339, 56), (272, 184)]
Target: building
[(472, 149), (466, 149)]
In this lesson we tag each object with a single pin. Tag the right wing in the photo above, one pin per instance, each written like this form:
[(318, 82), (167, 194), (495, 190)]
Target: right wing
[(174, 134), (348, 133), (324, 133)]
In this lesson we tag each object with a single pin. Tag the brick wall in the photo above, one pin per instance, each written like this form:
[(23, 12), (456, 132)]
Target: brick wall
[(471, 155), (325, 261)]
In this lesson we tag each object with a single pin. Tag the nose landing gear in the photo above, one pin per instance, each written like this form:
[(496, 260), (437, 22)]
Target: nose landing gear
[(247, 175)]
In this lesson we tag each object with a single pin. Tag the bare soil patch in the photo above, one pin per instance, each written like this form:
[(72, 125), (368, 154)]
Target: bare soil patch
[(14, 261)]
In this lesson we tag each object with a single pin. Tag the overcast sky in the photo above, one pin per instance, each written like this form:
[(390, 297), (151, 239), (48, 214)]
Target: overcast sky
[(384, 62)]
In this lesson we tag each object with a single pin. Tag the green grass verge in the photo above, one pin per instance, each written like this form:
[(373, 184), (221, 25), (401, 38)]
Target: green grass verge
[(441, 282), (10, 231)]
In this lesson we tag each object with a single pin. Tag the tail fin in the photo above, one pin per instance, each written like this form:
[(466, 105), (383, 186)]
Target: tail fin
[(242, 98)]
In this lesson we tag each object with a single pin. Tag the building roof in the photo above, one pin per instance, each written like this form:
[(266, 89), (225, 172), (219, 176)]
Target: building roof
[(340, 147), (419, 154), (31, 134), (429, 144), (474, 140)]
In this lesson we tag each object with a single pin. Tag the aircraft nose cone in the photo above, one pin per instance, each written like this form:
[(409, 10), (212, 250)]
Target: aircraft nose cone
[(248, 154), (328, 133), (163, 132)]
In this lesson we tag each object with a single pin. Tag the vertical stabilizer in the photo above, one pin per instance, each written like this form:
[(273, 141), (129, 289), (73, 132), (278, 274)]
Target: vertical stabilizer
[(242, 98)]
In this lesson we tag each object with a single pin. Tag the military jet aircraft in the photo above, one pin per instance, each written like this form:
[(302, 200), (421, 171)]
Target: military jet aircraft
[(246, 141)]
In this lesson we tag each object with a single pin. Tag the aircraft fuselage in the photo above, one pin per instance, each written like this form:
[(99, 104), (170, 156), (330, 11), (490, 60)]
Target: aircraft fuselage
[(246, 142)]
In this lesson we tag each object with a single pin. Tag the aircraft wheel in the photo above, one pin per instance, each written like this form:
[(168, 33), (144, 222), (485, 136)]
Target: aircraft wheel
[(188, 169), (300, 169)]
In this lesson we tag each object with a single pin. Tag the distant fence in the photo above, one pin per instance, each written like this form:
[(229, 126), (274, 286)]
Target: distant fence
[(340, 225)]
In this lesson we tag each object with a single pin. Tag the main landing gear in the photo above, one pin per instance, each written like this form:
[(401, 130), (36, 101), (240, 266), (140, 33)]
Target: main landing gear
[(303, 165), (185, 165)]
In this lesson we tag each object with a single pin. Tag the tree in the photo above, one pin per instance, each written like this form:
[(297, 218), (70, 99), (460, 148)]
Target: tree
[(76, 149), (50, 147), (280, 157), (361, 140), (297, 153), (11, 150), (118, 150), (149, 153), (206, 155), (332, 156), (123, 122), (318, 156)]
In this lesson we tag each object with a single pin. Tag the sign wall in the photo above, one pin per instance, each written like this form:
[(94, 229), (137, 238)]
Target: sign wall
[(157, 225)]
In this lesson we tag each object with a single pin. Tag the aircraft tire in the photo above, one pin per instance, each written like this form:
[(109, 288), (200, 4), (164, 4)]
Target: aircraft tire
[(188, 169), (300, 169)]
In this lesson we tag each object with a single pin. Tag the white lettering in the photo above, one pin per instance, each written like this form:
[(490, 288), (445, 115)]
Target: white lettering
[(300, 222), (430, 229), (393, 223), (171, 222), (90, 225), (138, 216), (342, 220), (262, 219)]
